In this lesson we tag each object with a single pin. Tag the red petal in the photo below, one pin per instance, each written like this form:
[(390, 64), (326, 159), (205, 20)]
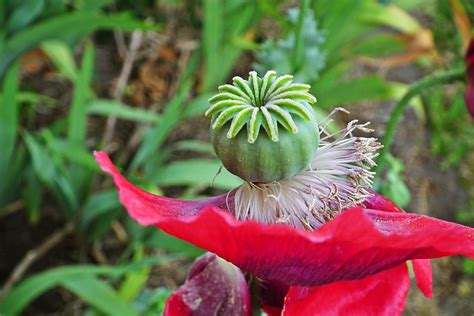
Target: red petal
[(381, 203), (469, 60), (147, 208), (213, 287), (424, 276), (383, 293), (358, 243), (469, 95)]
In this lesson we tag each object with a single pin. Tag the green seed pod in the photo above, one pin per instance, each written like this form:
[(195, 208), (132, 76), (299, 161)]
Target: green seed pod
[(270, 102)]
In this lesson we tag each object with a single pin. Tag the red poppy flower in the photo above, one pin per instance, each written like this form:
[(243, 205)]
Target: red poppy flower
[(355, 262), (469, 92)]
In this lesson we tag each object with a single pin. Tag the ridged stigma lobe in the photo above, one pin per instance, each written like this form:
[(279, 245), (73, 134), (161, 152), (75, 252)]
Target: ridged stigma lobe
[(271, 101)]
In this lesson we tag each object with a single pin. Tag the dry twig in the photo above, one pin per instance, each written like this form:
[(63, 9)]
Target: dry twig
[(136, 137), (34, 254), (11, 208), (130, 58)]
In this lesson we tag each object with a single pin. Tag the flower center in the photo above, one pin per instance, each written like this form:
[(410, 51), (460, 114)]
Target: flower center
[(338, 177)]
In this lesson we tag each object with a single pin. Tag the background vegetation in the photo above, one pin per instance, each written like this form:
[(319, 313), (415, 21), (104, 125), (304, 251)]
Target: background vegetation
[(133, 78)]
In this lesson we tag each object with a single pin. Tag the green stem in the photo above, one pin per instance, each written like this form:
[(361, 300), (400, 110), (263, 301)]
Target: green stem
[(254, 287), (299, 48), (415, 89)]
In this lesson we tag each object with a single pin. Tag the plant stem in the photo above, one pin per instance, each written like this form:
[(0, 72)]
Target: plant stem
[(254, 287), (415, 89)]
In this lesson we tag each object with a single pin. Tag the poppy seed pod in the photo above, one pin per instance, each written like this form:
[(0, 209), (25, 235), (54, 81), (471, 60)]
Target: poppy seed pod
[(290, 134)]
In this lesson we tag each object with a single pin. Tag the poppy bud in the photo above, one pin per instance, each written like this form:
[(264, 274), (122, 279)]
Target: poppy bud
[(213, 287)]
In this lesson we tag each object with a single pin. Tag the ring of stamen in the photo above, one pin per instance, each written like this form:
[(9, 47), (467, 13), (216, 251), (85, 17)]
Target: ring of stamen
[(338, 177)]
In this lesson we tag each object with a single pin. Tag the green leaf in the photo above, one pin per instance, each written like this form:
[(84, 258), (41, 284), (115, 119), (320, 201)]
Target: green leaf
[(194, 145), (74, 152), (379, 45), (196, 172), (365, 88), (99, 210), (32, 196), (41, 159), (47, 171), (29, 289), (98, 294), (13, 175), (225, 23), (197, 106), (152, 302), (299, 47), (91, 5), (9, 111), (468, 266), (24, 14), (53, 7), (72, 26), (62, 57), (78, 114), (162, 240), (122, 111), (134, 281), (213, 35), (391, 16), (394, 186), (340, 20)]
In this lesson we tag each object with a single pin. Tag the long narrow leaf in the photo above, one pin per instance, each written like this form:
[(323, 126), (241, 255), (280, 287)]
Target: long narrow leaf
[(62, 57), (78, 114), (63, 27), (298, 49), (98, 294), (134, 281), (360, 89), (31, 288), (196, 172), (213, 35), (122, 111), (9, 109)]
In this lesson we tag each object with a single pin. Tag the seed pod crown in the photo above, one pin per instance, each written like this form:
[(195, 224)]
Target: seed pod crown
[(269, 102)]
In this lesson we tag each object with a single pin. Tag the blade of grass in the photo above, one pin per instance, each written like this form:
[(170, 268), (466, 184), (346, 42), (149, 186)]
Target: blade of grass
[(98, 294), (299, 49), (370, 87), (122, 111), (64, 27), (28, 290), (212, 39), (134, 281), (196, 172), (61, 56), (26, 12), (99, 210), (46, 168), (9, 110), (78, 114)]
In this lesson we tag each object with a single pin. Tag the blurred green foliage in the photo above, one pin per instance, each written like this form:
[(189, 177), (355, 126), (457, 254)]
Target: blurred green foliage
[(320, 42)]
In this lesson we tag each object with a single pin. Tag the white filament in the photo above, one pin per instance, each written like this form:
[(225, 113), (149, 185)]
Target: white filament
[(339, 177)]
